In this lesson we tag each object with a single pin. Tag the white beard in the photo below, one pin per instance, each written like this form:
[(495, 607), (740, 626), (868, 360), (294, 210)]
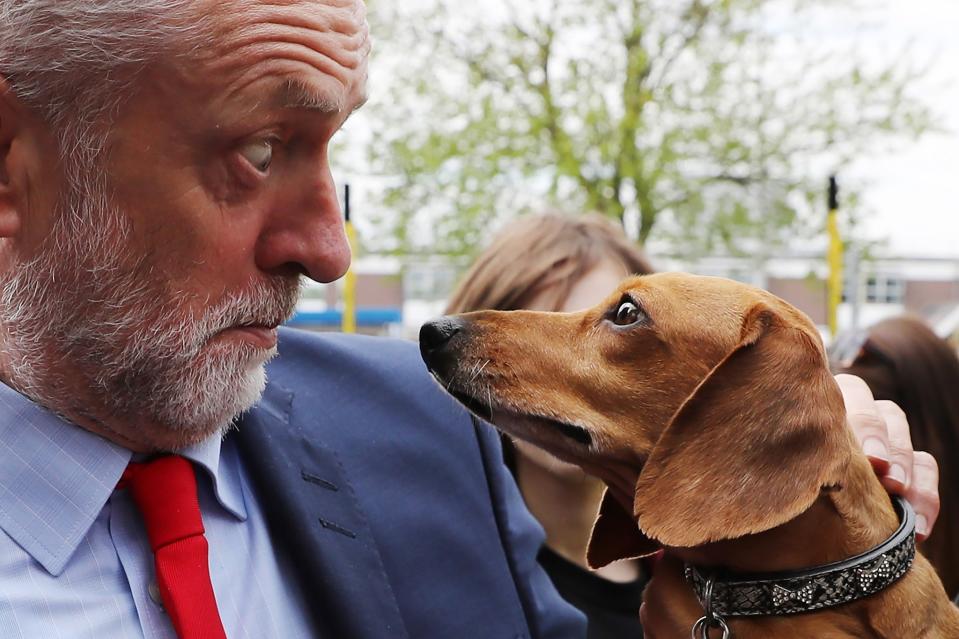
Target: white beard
[(88, 305)]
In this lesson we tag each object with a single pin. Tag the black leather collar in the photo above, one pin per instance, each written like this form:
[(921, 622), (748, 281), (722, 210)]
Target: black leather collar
[(792, 592)]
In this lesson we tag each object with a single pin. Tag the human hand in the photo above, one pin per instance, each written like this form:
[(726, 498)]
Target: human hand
[(883, 432)]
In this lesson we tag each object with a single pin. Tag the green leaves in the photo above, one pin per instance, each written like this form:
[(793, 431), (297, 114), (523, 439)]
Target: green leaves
[(709, 121)]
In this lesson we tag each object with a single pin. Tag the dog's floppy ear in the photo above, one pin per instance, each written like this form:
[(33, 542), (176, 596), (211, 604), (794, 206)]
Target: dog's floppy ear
[(753, 445), (616, 536)]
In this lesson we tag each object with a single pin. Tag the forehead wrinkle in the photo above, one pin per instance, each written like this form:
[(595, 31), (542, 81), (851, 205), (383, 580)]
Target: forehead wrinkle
[(255, 61), (348, 51), (343, 16), (339, 35), (332, 38)]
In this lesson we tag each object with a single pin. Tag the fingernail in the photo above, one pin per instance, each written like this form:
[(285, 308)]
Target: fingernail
[(875, 448), (898, 473), (922, 525)]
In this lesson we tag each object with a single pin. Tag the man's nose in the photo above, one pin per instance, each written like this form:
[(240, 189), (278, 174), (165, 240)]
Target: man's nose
[(307, 236)]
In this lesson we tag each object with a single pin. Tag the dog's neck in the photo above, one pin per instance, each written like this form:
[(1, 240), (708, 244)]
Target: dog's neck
[(851, 517), (844, 515), (851, 514)]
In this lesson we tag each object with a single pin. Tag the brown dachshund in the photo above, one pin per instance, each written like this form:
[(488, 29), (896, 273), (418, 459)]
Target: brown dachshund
[(708, 408)]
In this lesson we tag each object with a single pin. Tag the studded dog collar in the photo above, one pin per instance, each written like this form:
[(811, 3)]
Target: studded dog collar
[(792, 592)]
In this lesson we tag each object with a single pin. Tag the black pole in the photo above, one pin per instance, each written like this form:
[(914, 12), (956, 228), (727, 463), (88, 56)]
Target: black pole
[(833, 193), (346, 202)]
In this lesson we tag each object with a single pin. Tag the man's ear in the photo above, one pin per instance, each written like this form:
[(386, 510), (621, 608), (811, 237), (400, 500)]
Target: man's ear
[(752, 446), (11, 127)]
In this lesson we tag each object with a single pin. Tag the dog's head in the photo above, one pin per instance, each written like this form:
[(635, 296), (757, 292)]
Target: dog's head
[(705, 405)]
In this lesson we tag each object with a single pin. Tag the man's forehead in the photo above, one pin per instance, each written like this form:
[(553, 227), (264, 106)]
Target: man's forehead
[(250, 7), (319, 48), (346, 18)]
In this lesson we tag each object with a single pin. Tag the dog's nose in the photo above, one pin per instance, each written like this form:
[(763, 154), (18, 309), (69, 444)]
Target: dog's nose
[(435, 334)]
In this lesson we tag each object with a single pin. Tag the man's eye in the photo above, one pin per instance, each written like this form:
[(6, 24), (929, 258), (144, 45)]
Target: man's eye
[(259, 154), (627, 313)]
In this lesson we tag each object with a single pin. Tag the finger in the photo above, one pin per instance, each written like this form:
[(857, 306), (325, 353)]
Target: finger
[(866, 422), (897, 477), (923, 492)]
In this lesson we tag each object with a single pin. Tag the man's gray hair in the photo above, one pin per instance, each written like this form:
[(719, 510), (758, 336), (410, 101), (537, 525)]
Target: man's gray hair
[(73, 62)]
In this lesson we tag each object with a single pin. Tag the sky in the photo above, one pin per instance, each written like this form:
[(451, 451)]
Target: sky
[(914, 193)]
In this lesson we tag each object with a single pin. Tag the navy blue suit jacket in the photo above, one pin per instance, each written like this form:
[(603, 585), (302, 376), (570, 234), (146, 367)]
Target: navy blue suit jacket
[(392, 500)]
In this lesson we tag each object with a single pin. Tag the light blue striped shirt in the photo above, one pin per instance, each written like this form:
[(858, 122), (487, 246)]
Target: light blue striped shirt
[(74, 557)]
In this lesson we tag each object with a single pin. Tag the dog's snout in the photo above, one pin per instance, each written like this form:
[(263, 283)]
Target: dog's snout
[(436, 334)]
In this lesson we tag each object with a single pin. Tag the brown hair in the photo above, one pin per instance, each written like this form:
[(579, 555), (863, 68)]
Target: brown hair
[(550, 251), (903, 360)]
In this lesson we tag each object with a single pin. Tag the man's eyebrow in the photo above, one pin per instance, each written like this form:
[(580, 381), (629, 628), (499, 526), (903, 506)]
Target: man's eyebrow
[(296, 94)]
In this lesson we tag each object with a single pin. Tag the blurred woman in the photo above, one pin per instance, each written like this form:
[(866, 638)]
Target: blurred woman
[(555, 262), (903, 360)]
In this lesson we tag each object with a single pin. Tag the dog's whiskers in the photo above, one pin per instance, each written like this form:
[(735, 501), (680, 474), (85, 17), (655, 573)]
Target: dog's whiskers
[(449, 383), (483, 367), (489, 400), (477, 371)]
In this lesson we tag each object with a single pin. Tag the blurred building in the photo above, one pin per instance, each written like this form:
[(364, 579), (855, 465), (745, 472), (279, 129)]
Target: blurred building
[(874, 289), (394, 297), (379, 300)]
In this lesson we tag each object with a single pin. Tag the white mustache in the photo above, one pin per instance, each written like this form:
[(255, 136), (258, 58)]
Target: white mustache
[(269, 303)]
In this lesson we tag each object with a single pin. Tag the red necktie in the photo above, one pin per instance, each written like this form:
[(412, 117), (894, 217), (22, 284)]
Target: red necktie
[(165, 492)]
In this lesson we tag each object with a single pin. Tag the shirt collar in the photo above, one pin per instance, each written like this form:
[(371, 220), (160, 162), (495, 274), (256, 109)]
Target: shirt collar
[(222, 466), (56, 477)]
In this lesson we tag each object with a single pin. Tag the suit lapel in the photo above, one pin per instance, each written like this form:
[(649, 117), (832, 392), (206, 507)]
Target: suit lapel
[(313, 514)]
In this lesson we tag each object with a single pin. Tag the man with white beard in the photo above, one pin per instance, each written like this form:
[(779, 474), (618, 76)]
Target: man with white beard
[(164, 186)]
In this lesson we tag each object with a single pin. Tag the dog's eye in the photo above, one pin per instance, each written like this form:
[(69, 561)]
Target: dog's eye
[(627, 313)]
